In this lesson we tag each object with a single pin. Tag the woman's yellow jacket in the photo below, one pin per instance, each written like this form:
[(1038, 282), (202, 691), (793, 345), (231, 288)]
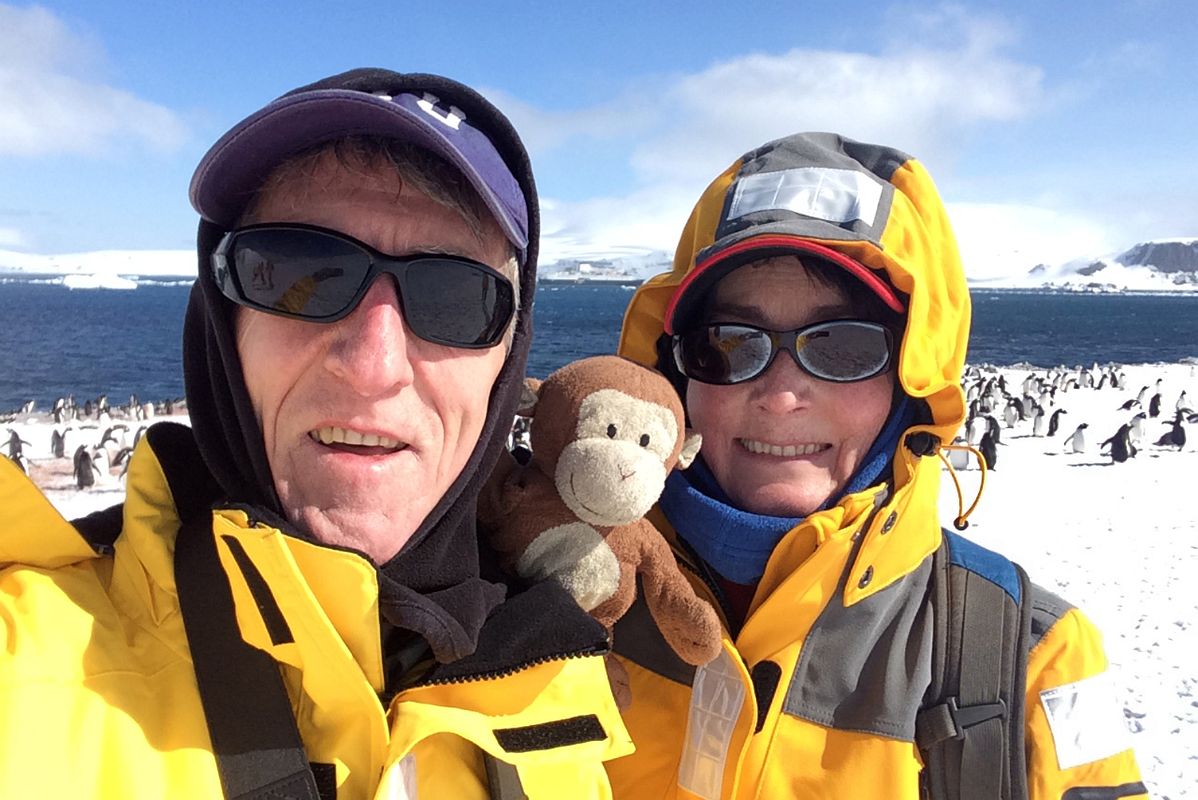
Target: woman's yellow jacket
[(815, 695), (98, 693)]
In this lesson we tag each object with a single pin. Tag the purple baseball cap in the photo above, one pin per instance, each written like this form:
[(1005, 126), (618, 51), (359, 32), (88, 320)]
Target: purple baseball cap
[(429, 111)]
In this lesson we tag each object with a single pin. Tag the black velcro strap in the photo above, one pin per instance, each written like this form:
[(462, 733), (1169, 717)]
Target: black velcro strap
[(548, 735), (272, 615), (255, 740), (1105, 792)]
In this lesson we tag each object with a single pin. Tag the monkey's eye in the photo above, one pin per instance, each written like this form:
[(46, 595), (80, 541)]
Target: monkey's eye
[(611, 431), (644, 440)]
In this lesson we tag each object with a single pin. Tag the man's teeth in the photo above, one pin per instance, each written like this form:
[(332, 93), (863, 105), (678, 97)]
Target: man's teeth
[(764, 448), (349, 436)]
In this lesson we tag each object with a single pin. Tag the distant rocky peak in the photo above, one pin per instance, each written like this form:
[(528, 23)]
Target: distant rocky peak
[(1170, 256)]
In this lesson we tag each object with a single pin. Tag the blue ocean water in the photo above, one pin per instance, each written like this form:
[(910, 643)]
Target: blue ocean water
[(54, 341)]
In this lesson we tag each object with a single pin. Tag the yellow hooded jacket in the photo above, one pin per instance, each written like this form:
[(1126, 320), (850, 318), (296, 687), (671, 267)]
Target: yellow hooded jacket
[(98, 693), (767, 719)]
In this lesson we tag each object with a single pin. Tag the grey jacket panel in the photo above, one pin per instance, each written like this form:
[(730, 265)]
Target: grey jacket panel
[(866, 667), (1047, 610)]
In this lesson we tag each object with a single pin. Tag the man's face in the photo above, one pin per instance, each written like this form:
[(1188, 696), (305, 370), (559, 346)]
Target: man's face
[(367, 374)]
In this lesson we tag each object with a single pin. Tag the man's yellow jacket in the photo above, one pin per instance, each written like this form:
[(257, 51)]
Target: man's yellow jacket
[(98, 694)]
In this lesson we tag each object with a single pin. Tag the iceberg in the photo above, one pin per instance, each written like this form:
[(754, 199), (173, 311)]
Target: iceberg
[(96, 281)]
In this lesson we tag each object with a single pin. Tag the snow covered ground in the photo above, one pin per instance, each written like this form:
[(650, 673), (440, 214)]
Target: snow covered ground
[(1120, 540)]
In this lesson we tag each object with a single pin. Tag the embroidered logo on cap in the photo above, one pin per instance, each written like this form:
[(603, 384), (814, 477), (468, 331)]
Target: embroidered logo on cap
[(429, 104)]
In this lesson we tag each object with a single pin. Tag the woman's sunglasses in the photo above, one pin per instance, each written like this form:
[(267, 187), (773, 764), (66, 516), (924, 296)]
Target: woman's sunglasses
[(318, 275), (841, 351)]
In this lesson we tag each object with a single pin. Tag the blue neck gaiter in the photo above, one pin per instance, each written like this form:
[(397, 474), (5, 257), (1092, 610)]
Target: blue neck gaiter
[(736, 543)]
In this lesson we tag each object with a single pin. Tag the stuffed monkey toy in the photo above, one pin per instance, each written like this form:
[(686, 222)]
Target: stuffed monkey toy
[(605, 433)]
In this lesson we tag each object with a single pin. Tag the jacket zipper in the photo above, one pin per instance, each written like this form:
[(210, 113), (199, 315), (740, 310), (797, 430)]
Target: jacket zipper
[(512, 670)]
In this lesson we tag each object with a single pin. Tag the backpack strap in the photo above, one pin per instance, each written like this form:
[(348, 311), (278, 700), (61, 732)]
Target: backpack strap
[(255, 740), (970, 730)]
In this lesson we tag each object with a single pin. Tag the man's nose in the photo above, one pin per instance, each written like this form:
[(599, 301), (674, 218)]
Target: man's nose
[(369, 349)]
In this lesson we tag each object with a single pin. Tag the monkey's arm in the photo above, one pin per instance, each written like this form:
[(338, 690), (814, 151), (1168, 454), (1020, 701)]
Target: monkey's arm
[(688, 623)]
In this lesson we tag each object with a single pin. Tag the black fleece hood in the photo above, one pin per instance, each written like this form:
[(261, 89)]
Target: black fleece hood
[(432, 586)]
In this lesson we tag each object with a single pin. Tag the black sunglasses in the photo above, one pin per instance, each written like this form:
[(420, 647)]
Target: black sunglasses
[(841, 351), (314, 274)]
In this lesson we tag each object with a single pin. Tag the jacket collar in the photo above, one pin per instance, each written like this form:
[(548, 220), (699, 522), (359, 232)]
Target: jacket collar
[(32, 531)]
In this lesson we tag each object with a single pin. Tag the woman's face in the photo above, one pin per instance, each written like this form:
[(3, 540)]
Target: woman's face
[(830, 426)]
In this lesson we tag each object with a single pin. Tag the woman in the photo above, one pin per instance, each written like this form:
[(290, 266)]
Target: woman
[(815, 323)]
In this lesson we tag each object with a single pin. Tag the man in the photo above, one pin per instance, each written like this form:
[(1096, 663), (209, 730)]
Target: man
[(353, 353)]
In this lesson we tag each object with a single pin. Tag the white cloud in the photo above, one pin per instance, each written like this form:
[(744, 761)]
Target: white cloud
[(51, 103), (646, 220), (1006, 240), (11, 237), (682, 130)]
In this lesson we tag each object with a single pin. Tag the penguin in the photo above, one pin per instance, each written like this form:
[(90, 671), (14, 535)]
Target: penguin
[(14, 445), (121, 457), (19, 460), (974, 428), (114, 438), (1038, 421), (1154, 406), (1010, 414), (1137, 427), (1120, 444), (1026, 404), (1055, 421), (1140, 396), (994, 429), (959, 459), (100, 461), (1101, 380), (1181, 403), (1175, 437), (58, 443), (1076, 443), (1130, 404), (85, 476), (989, 451)]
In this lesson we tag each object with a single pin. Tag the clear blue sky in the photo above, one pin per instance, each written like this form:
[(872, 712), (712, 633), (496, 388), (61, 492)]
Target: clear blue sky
[(1051, 134)]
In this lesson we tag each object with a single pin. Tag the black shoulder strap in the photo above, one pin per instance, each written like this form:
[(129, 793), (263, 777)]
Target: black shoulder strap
[(254, 736), (970, 731)]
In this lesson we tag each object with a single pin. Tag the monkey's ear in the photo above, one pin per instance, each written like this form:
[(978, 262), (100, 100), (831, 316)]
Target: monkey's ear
[(529, 394), (690, 449)]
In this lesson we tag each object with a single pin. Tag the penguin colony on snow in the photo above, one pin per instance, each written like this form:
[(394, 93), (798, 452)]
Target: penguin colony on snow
[(96, 436), (1038, 402)]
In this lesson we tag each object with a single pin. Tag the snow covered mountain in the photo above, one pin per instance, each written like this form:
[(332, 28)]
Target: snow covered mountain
[(108, 263), (1166, 265), (607, 269)]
